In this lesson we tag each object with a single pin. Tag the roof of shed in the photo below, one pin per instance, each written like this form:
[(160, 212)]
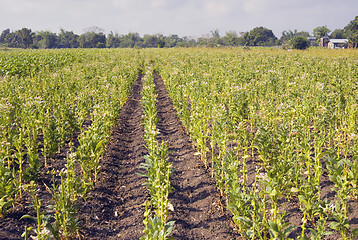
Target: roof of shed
[(338, 40)]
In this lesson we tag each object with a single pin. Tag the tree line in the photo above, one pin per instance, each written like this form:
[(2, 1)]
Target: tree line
[(95, 38)]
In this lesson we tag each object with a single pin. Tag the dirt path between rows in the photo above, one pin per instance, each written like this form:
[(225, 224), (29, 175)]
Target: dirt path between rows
[(197, 211), (114, 208)]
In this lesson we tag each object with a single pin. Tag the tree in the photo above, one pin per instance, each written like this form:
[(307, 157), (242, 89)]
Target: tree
[(338, 34), (300, 42), (320, 32), (231, 39), (260, 36), (46, 39), (130, 40), (113, 41), (150, 41), (3, 35), (171, 41), (92, 40), (288, 35), (351, 31), (25, 37), (160, 41), (215, 40), (67, 39)]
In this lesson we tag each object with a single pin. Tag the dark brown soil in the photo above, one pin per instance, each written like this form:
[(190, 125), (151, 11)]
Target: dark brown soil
[(197, 207), (114, 208)]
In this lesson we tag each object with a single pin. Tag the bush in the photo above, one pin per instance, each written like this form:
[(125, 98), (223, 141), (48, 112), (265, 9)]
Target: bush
[(300, 42)]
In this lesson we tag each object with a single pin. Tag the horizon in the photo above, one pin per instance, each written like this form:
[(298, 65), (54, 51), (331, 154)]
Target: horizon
[(168, 17)]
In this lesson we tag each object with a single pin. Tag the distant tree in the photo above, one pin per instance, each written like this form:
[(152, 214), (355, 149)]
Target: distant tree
[(113, 40), (288, 35), (92, 40), (351, 31), (320, 32), (300, 42), (46, 39), (25, 37), (260, 36), (3, 35), (150, 41), (352, 26), (171, 41), (215, 40), (130, 40), (67, 39), (160, 42), (231, 39), (338, 34), (11, 40)]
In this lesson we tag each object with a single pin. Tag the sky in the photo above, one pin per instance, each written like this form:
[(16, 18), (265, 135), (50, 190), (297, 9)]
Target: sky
[(194, 18)]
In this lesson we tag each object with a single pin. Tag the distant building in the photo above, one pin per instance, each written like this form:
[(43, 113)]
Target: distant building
[(324, 42), (337, 43)]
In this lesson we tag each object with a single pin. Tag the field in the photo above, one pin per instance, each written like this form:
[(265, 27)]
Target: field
[(179, 143)]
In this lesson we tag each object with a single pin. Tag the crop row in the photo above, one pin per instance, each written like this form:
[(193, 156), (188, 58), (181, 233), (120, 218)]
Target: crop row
[(157, 167), (273, 126), (45, 110)]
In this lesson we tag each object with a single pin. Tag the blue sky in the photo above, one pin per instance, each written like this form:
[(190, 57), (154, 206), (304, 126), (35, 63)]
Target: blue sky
[(182, 17)]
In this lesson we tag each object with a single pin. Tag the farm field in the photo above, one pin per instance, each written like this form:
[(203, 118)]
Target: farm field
[(183, 143)]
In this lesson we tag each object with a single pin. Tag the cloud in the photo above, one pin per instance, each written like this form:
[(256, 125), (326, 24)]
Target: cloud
[(183, 17)]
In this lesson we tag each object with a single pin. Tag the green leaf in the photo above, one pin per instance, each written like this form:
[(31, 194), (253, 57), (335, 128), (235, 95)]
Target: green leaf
[(355, 232), (273, 226), (334, 225), (28, 216), (288, 230)]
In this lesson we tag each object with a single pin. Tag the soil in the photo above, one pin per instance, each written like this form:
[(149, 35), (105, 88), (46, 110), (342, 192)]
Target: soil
[(114, 208), (198, 208)]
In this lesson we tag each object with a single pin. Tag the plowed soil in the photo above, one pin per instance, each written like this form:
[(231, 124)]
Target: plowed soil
[(114, 208), (197, 207)]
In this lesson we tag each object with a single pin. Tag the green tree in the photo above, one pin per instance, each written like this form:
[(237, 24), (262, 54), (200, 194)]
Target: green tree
[(320, 32), (171, 41), (3, 35), (67, 39), (160, 41), (351, 31), (300, 42), (92, 40), (231, 39), (215, 40), (288, 35), (130, 40), (46, 39), (150, 41), (261, 36), (25, 37), (338, 34), (113, 40)]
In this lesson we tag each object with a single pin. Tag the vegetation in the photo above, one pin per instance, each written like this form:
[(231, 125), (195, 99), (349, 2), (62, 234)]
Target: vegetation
[(300, 42), (95, 38), (158, 169), (45, 98), (291, 114)]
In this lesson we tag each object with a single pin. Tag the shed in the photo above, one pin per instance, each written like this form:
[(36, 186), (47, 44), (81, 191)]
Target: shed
[(337, 43)]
